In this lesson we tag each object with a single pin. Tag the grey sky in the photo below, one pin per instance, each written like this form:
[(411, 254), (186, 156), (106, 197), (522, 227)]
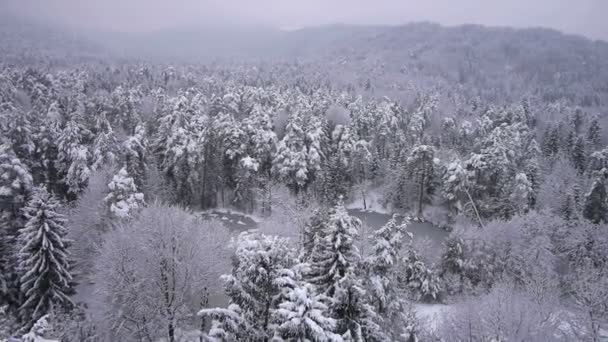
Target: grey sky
[(586, 17)]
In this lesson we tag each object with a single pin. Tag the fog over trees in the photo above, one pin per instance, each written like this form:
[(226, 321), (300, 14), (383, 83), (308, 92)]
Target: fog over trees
[(414, 182)]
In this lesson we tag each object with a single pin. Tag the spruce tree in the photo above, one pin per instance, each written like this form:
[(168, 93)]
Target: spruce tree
[(16, 185), (577, 120), (252, 288), (594, 134), (421, 168), (422, 281), (334, 264), (520, 193), (301, 314), (389, 303), (135, 154), (290, 162), (73, 156), (570, 142), (43, 258), (578, 155), (105, 145), (19, 131), (551, 143), (124, 199), (261, 146)]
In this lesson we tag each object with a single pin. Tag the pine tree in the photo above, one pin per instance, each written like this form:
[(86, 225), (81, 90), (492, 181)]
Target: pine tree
[(105, 144), (345, 158), (261, 147), (579, 155), (532, 169), (333, 180), (551, 141), (234, 143), (252, 288), (19, 132), (46, 133), (73, 156), (313, 232), (182, 153), (520, 195), (290, 162), (302, 318), (123, 104), (334, 263), (421, 167), (301, 314), (452, 261), (43, 258), (594, 134), (135, 154), (568, 208), (169, 124), (577, 120), (16, 186), (124, 199), (335, 253), (381, 266), (596, 205), (315, 139), (361, 168), (418, 278), (570, 142)]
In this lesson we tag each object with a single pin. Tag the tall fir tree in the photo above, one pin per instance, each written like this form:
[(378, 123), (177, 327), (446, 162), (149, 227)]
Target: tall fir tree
[(290, 162), (16, 186), (551, 142), (252, 289), (578, 155), (135, 155), (261, 147), (382, 265), (301, 315), (73, 156), (421, 168), (105, 149), (334, 263), (594, 133), (44, 262)]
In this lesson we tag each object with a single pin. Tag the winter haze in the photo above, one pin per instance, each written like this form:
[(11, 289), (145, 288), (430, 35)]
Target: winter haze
[(584, 17), (320, 171)]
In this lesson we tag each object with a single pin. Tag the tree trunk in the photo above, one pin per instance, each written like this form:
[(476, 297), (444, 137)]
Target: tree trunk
[(269, 203), (474, 208), (364, 202), (421, 196), (171, 328), (204, 190)]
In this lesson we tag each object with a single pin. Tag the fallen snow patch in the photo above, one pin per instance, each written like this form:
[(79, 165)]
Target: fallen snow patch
[(373, 201), (431, 315)]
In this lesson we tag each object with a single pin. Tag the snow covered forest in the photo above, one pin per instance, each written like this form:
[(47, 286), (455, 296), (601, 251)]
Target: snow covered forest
[(338, 183)]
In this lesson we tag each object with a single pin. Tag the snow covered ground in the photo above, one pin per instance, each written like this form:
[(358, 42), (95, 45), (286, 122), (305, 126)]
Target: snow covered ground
[(373, 202), (431, 314), (233, 220)]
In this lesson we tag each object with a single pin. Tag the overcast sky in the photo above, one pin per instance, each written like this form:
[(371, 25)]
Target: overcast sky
[(585, 17)]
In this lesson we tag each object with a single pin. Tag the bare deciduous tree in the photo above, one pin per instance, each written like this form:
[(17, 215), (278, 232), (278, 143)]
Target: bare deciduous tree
[(153, 272)]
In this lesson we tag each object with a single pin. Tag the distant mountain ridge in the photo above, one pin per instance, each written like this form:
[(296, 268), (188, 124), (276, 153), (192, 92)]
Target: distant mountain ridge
[(493, 58)]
